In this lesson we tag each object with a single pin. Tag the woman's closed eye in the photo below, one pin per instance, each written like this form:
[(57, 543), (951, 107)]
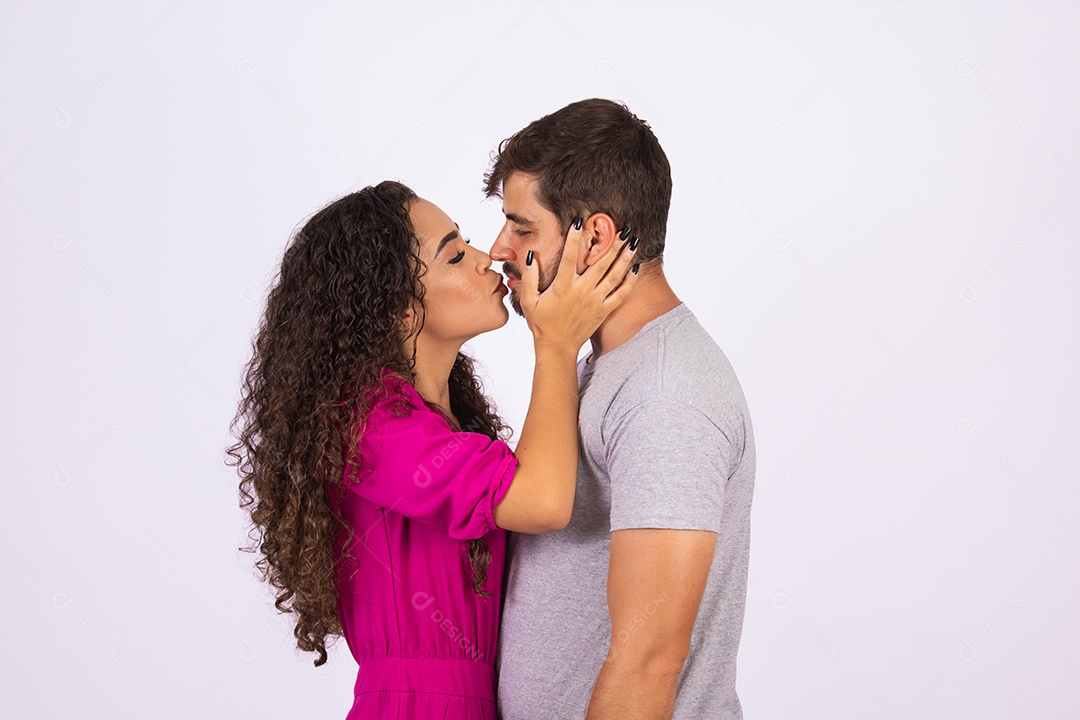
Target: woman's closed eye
[(457, 258)]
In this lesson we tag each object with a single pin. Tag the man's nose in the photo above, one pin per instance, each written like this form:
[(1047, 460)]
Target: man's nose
[(501, 249)]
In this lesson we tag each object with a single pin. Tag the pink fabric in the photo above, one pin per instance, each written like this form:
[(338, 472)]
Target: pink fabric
[(424, 640)]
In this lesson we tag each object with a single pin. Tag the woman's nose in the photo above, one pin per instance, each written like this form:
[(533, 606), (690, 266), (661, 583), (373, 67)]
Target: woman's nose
[(484, 262)]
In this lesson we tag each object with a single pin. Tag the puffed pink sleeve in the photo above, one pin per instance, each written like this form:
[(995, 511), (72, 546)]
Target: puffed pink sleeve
[(418, 466)]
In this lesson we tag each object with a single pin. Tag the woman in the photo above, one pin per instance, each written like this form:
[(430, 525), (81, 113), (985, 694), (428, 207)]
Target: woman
[(371, 462)]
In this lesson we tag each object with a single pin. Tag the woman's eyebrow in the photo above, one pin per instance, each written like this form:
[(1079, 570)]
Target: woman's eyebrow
[(449, 236)]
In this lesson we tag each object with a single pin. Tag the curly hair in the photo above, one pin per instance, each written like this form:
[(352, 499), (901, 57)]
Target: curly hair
[(334, 322)]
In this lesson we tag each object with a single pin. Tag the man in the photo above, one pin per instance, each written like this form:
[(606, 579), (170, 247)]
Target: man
[(635, 609)]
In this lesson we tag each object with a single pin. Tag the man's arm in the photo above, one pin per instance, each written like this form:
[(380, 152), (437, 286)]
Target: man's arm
[(655, 582)]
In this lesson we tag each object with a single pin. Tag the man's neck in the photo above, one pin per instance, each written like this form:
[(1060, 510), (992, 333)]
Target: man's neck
[(651, 298)]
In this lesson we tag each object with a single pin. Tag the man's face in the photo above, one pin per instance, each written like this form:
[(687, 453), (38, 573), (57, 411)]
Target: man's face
[(529, 226)]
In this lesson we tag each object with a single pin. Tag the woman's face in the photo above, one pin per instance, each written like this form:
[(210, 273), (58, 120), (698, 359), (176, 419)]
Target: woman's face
[(463, 296)]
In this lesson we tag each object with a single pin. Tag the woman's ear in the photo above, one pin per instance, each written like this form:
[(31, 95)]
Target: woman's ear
[(600, 233), (409, 322)]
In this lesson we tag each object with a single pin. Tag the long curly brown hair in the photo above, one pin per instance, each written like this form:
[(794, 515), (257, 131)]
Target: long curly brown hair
[(335, 320)]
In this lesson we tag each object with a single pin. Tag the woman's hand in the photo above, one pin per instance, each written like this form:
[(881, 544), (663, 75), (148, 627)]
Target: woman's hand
[(570, 310)]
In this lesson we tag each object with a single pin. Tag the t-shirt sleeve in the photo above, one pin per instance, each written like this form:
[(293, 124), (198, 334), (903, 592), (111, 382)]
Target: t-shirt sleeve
[(416, 465), (669, 464)]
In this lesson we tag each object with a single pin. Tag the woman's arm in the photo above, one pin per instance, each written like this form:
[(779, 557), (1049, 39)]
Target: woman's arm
[(541, 494), (562, 318)]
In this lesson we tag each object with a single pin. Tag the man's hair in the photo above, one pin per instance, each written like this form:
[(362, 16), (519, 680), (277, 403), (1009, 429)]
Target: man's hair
[(593, 156)]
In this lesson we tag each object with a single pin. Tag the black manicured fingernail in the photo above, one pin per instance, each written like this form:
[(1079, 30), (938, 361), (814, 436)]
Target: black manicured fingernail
[(635, 268), (577, 222), (626, 233), (528, 258), (633, 243)]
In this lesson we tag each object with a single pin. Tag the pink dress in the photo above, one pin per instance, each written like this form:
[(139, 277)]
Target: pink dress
[(424, 640)]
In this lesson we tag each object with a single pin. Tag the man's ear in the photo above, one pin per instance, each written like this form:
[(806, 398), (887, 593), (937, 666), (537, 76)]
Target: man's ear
[(598, 236)]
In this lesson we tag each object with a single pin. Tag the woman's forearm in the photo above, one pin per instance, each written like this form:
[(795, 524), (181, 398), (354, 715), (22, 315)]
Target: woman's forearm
[(541, 494)]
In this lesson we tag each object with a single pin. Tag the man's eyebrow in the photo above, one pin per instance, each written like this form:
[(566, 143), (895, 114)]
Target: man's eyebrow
[(449, 236), (519, 220)]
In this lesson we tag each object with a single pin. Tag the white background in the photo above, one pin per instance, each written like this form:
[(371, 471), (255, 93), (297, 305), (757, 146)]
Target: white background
[(875, 215)]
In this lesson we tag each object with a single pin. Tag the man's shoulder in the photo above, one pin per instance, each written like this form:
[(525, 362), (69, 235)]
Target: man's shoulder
[(680, 361)]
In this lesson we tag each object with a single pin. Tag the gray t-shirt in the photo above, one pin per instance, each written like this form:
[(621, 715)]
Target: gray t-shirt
[(666, 442)]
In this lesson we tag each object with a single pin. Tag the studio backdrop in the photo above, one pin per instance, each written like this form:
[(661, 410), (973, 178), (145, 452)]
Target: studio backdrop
[(875, 215)]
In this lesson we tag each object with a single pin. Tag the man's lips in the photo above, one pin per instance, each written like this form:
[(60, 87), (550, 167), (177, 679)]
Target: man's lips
[(512, 273)]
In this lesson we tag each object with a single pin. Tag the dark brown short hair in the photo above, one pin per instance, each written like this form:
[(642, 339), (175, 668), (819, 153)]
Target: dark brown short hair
[(593, 156)]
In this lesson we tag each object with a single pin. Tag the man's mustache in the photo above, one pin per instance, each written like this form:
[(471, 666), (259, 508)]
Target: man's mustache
[(510, 270)]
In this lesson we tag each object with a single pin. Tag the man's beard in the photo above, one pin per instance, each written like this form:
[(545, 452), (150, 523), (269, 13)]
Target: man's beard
[(547, 276)]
